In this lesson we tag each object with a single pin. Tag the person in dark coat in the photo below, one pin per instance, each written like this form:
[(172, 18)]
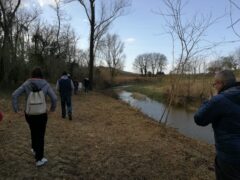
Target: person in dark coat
[(223, 113), (65, 87), (75, 83), (86, 84)]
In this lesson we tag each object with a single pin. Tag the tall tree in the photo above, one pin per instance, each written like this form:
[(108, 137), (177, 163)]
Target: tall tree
[(60, 16), (234, 16), (150, 62), (138, 64), (8, 11), (189, 36), (99, 23), (113, 54)]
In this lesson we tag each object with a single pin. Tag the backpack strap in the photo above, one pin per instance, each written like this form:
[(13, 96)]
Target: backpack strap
[(35, 88)]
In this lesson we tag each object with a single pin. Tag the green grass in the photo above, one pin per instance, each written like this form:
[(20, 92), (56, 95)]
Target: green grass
[(150, 90)]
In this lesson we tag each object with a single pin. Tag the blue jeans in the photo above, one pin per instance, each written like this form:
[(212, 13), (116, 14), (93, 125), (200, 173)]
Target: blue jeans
[(66, 101)]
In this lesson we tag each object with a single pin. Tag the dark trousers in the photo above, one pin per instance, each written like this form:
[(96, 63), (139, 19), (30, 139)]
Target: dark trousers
[(37, 125), (226, 171), (66, 101)]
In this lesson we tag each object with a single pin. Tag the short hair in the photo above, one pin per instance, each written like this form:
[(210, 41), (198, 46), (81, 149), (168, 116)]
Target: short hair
[(64, 73), (226, 76), (37, 73)]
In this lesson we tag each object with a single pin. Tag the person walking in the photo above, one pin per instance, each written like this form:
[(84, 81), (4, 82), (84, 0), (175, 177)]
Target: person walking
[(65, 87), (86, 84), (223, 112), (76, 84), (37, 122)]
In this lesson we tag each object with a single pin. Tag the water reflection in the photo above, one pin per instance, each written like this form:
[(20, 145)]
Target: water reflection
[(179, 119)]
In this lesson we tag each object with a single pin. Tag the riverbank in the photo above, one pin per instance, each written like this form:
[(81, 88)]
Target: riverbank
[(189, 94), (107, 139)]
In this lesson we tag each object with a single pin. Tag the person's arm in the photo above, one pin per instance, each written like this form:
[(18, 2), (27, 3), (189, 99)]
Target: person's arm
[(57, 86), (208, 112), (53, 98), (72, 85), (15, 96)]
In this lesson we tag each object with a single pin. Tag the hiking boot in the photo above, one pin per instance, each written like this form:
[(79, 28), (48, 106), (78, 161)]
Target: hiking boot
[(41, 162)]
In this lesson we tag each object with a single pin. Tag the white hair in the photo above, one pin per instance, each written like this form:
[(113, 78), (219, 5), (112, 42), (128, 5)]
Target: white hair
[(226, 77)]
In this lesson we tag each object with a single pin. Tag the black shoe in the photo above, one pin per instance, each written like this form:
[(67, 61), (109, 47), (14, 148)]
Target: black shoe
[(70, 117), (63, 117)]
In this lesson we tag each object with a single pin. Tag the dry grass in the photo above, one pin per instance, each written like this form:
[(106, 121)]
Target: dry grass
[(106, 140)]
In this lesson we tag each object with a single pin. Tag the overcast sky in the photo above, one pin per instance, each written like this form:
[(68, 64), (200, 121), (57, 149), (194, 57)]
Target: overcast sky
[(142, 30)]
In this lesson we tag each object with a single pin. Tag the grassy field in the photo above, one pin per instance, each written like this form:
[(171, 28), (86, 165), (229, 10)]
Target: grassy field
[(190, 92), (107, 139)]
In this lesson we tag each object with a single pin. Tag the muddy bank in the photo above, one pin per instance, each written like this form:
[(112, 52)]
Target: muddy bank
[(107, 139)]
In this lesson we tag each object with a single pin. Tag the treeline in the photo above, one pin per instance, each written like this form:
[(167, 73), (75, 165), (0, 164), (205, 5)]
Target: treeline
[(26, 41), (226, 62), (148, 64)]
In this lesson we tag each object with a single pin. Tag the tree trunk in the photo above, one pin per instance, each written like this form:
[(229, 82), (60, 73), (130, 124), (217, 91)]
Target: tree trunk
[(91, 47)]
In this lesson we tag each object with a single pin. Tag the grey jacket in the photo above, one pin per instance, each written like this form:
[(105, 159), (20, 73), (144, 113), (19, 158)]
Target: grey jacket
[(26, 88)]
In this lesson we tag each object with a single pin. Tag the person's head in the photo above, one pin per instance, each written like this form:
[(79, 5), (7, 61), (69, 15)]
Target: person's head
[(37, 73), (223, 79), (64, 73)]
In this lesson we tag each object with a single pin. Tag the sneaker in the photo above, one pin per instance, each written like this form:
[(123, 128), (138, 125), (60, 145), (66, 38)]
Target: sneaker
[(33, 152), (44, 160), (41, 162)]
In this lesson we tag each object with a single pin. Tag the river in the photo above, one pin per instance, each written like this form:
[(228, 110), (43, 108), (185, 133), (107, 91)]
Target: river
[(179, 119)]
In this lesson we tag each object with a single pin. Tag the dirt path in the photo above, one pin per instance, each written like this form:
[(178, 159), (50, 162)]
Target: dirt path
[(106, 140)]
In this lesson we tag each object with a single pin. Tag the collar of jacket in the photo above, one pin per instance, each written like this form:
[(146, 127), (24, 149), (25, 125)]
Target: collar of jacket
[(64, 77), (229, 86)]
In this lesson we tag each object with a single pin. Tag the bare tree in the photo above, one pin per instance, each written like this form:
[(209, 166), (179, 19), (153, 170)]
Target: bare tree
[(237, 57), (161, 60), (150, 62), (99, 23), (113, 54), (138, 64), (82, 58), (153, 62), (234, 17), (189, 36), (60, 17), (8, 11), (21, 30)]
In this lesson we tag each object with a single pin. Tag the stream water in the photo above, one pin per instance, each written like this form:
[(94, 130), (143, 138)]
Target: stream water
[(178, 118)]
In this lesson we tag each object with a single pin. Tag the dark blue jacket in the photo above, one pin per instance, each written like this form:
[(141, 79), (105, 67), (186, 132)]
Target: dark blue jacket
[(223, 112), (65, 86)]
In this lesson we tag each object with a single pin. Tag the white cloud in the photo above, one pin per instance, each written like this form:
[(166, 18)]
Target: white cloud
[(46, 2), (130, 40), (35, 3), (29, 4), (85, 20)]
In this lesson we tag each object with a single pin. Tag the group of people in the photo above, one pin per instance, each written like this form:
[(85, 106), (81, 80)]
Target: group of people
[(37, 121), (222, 111)]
